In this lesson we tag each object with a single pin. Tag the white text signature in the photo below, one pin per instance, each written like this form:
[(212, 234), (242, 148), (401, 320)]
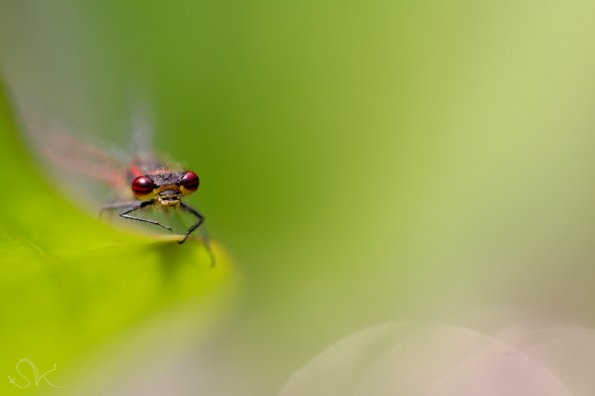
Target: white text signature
[(25, 382)]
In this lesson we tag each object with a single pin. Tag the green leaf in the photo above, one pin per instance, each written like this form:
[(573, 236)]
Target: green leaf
[(72, 286)]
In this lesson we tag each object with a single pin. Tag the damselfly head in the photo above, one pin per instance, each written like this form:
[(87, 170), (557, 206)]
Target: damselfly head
[(165, 187)]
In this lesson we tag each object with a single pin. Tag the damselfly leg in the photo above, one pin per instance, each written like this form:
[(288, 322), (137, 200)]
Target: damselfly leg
[(131, 206), (199, 217), (205, 236), (128, 207)]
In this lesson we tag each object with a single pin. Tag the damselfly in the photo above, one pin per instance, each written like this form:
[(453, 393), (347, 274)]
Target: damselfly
[(153, 184), (142, 182)]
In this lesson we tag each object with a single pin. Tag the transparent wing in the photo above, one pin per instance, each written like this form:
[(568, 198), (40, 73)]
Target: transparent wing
[(142, 130), (73, 158)]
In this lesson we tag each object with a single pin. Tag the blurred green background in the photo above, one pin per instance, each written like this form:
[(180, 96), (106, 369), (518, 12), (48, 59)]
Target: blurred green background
[(361, 162)]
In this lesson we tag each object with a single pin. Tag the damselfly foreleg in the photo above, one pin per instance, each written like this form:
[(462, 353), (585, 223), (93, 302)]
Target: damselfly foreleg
[(194, 226), (205, 236), (116, 205), (130, 207)]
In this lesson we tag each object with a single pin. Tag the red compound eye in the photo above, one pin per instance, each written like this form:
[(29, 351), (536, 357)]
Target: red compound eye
[(189, 182), (142, 186)]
